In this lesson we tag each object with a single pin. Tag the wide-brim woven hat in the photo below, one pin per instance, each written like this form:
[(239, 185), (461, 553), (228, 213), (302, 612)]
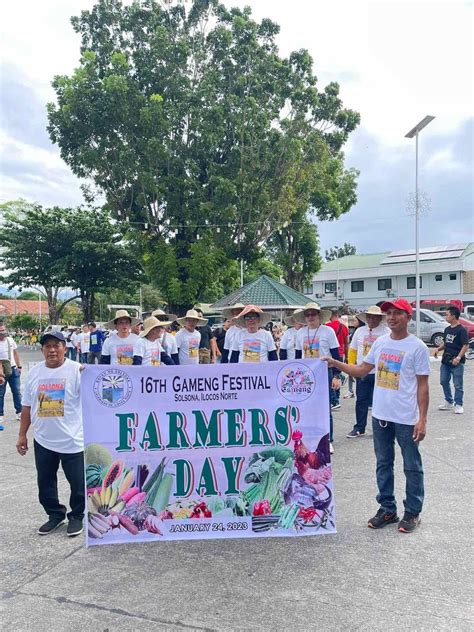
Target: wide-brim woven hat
[(373, 310), (290, 320), (227, 311), (192, 313), (150, 323), (161, 315), (122, 313), (264, 318), (324, 314)]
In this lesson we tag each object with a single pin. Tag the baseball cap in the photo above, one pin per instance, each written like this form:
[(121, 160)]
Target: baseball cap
[(52, 334), (399, 303)]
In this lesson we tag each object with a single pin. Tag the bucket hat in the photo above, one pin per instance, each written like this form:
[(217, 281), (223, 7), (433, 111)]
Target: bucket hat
[(227, 311), (290, 320), (161, 315)]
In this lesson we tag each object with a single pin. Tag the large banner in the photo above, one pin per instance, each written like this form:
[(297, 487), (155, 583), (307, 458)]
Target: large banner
[(209, 451)]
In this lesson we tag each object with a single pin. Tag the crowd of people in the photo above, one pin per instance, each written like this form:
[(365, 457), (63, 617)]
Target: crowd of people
[(390, 367)]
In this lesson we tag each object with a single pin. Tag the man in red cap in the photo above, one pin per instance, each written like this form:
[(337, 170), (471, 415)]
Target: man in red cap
[(400, 407)]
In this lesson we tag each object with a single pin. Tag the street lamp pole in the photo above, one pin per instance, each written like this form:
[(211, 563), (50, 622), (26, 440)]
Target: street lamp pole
[(414, 133)]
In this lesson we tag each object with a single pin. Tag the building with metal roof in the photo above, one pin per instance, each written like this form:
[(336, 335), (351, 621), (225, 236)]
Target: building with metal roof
[(447, 272), (266, 293)]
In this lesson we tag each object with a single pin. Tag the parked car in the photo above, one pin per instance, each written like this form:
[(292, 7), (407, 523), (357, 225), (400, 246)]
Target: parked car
[(432, 326)]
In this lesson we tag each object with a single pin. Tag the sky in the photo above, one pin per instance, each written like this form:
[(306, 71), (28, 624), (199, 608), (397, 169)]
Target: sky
[(395, 62)]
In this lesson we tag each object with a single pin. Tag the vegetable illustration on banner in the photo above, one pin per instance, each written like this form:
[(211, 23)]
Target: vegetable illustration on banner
[(229, 451)]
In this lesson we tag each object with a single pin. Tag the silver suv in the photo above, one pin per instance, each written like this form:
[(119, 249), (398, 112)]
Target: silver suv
[(432, 326)]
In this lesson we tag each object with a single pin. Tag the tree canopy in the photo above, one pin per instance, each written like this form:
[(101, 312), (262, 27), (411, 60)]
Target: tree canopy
[(336, 252), (204, 140), (57, 248)]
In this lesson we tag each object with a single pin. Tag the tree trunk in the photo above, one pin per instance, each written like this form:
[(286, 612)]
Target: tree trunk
[(87, 304)]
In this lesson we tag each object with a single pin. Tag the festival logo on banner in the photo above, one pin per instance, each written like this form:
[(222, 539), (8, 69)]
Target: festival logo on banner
[(233, 451), (113, 387)]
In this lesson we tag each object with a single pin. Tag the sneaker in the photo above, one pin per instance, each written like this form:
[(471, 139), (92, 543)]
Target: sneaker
[(51, 525), (331, 448), (74, 527), (458, 409), (18, 416), (382, 518), (2, 427), (408, 523), (354, 433), (335, 406), (446, 406), (348, 395)]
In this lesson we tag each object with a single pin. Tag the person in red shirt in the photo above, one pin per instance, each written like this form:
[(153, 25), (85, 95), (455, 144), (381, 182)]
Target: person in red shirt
[(342, 335)]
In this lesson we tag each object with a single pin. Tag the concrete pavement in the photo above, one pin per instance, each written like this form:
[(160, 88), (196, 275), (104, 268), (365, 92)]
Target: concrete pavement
[(358, 579)]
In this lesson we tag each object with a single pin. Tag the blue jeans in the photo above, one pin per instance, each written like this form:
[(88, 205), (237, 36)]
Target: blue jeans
[(364, 394), (14, 382), (71, 353), (385, 433), (446, 371)]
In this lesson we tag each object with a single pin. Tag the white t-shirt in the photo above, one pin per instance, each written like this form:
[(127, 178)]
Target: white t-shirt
[(364, 338), (188, 346), (56, 413), (288, 342), (75, 339), (168, 342), (230, 335), (7, 347), (150, 352), (120, 350), (397, 363), (253, 347), (84, 341), (315, 343)]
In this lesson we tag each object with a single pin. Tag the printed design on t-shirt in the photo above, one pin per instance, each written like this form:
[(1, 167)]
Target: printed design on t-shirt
[(311, 347), (155, 357), (251, 350), (450, 338), (51, 398), (125, 354), (93, 339), (367, 343), (193, 347), (388, 369)]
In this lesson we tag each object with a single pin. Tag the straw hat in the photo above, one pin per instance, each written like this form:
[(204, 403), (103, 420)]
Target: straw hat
[(227, 311), (249, 309), (324, 314), (121, 313), (192, 313), (290, 320), (373, 310), (161, 315), (150, 323)]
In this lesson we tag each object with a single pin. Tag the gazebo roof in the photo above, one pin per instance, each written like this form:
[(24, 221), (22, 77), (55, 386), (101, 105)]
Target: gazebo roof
[(265, 293)]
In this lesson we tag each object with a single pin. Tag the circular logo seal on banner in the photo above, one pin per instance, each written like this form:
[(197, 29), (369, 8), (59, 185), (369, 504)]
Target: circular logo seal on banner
[(296, 382), (113, 387)]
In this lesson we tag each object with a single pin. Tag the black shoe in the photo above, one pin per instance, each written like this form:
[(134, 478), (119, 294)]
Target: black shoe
[(74, 527), (51, 525), (382, 518), (409, 522), (335, 406), (354, 433)]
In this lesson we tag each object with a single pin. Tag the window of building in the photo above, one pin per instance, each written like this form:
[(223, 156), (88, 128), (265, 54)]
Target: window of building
[(308, 289), (357, 286), (385, 284), (330, 288), (438, 277), (453, 276), (411, 283)]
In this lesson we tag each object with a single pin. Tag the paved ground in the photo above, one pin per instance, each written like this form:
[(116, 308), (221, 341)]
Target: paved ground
[(358, 579)]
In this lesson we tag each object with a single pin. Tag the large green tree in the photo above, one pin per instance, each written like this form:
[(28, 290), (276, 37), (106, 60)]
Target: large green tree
[(336, 252), (200, 134), (59, 248)]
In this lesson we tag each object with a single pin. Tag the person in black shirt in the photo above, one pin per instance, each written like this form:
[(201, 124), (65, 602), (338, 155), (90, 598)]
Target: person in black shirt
[(219, 336), (454, 347), (207, 346)]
